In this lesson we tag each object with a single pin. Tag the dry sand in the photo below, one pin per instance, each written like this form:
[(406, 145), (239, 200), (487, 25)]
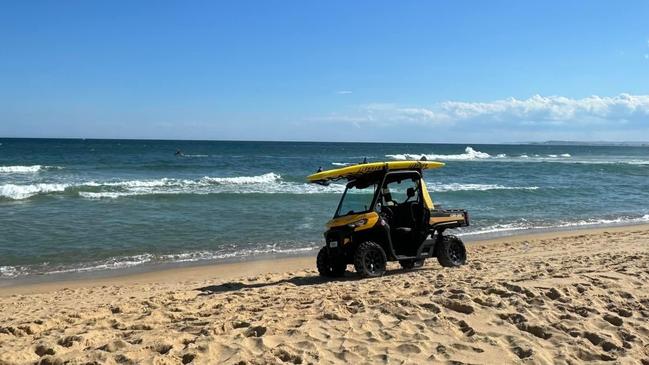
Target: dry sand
[(568, 297)]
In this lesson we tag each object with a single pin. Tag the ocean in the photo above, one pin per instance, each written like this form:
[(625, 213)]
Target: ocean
[(76, 206)]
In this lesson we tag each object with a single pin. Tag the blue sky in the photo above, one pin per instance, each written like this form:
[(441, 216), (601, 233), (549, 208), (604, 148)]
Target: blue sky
[(417, 71)]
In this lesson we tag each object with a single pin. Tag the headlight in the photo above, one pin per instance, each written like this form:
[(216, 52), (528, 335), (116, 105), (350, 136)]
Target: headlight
[(358, 223)]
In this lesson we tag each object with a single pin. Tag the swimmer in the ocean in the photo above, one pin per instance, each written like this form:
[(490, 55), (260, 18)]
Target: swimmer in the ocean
[(179, 153)]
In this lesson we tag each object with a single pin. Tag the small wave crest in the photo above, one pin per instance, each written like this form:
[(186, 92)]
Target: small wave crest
[(195, 156), (25, 169), (244, 180), (270, 183), (441, 188), (469, 154), (18, 192)]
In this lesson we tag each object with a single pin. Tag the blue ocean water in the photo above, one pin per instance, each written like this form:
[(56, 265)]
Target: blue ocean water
[(85, 205)]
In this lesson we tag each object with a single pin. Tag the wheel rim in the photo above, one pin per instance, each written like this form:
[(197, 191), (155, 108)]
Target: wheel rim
[(373, 261), (455, 253)]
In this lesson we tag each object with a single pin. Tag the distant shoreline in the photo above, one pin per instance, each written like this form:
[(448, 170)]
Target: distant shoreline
[(595, 143), (532, 143)]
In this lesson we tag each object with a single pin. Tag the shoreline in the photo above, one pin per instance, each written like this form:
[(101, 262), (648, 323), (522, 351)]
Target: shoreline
[(177, 272)]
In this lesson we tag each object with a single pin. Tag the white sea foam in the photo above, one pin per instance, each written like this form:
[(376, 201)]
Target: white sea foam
[(269, 183), (469, 154), (522, 226), (110, 264), (265, 178), (11, 271), (474, 155), (105, 195), (220, 255), (341, 163), (619, 220), (497, 228), (24, 169), (18, 192), (115, 263), (266, 183), (439, 187)]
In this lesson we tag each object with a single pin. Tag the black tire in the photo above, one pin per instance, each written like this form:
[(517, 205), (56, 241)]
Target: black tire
[(370, 260), (327, 266), (451, 252), (411, 264)]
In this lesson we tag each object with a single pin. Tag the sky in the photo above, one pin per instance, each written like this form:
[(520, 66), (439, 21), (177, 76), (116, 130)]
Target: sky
[(380, 71)]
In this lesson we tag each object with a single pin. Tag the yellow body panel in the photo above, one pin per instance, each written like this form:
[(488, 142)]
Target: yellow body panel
[(451, 218), (360, 169), (428, 202), (371, 217)]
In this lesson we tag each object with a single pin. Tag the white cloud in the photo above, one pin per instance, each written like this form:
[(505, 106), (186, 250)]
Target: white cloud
[(536, 110), (343, 92)]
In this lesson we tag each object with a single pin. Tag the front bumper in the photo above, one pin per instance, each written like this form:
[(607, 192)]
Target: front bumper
[(338, 238)]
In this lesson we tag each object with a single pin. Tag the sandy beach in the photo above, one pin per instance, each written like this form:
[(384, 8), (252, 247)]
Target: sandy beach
[(564, 297)]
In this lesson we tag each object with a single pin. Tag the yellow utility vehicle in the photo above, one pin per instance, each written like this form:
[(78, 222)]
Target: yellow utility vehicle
[(386, 214)]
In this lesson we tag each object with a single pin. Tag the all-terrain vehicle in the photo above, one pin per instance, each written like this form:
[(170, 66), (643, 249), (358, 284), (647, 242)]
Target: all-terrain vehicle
[(386, 214)]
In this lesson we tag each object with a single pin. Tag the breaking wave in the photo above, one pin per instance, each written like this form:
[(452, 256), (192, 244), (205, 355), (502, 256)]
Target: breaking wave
[(18, 192), (441, 188), (244, 180), (269, 183), (469, 154), (24, 169)]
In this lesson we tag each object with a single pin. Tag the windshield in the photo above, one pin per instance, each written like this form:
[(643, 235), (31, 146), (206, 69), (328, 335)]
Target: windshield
[(356, 200)]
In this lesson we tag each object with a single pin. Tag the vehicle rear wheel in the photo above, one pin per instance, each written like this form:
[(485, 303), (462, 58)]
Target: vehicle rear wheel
[(451, 252), (329, 267), (370, 260), (411, 264)]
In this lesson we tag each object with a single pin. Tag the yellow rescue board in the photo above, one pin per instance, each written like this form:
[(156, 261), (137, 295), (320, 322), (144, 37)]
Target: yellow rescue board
[(350, 172)]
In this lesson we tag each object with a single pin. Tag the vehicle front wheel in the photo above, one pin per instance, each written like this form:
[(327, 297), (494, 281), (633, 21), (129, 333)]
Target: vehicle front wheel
[(329, 267), (370, 260), (451, 252), (411, 264)]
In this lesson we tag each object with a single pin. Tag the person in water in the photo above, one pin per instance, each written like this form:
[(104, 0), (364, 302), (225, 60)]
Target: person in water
[(179, 153)]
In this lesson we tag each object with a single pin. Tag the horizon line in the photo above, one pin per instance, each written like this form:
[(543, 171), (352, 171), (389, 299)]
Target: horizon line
[(548, 142)]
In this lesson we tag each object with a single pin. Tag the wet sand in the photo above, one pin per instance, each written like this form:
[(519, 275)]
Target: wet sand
[(561, 297)]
